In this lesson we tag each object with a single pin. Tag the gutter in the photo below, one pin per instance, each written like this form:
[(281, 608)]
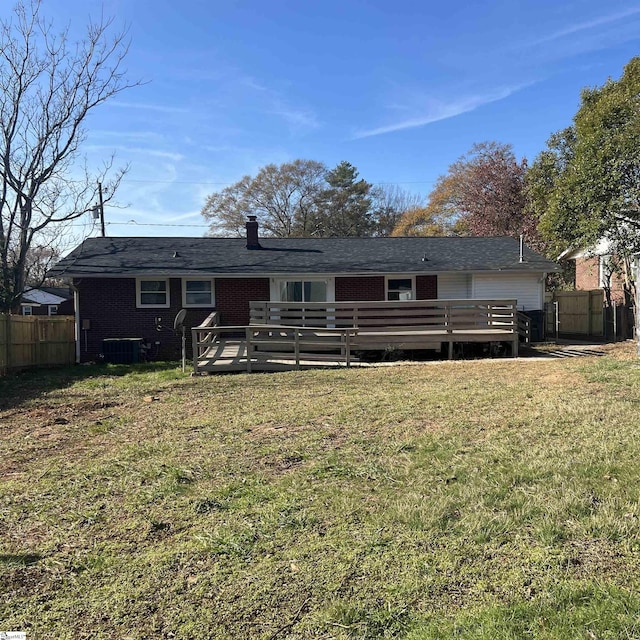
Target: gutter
[(76, 312)]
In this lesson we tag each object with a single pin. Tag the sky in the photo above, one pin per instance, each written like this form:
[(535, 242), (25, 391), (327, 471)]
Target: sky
[(398, 88)]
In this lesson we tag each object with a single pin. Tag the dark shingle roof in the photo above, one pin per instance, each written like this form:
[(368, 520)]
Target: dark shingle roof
[(205, 256)]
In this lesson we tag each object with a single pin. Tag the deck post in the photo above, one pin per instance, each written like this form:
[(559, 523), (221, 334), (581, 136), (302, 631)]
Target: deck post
[(450, 349), (195, 349), (248, 332), (347, 354), (297, 346)]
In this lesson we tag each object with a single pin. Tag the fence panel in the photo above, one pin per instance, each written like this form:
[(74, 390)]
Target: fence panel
[(34, 341), (580, 312)]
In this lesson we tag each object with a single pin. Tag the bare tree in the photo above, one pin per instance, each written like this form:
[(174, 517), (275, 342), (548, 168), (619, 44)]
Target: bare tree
[(391, 202), (48, 87)]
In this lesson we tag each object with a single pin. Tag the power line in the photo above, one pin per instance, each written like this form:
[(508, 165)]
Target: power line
[(158, 224), (228, 184)]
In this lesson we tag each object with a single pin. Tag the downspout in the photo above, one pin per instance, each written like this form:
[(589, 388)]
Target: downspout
[(76, 311)]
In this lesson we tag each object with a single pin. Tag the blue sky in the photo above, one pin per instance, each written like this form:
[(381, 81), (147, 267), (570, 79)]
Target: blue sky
[(398, 88)]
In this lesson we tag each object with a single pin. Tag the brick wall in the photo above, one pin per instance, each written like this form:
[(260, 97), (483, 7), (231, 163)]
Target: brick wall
[(587, 273), (373, 288), (234, 294), (360, 289), (110, 306), (588, 278), (426, 287)]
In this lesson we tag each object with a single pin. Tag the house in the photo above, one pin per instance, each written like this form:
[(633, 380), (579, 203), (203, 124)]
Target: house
[(47, 301), (134, 287), (596, 268)]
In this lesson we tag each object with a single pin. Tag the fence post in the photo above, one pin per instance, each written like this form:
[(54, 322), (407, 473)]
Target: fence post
[(5, 319), (248, 333), (9, 340)]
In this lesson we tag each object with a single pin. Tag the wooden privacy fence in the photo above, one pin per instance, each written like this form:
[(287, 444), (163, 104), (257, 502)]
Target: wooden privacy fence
[(577, 313), (36, 341)]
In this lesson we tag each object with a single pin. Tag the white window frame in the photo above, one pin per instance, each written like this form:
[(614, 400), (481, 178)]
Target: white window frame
[(53, 310), (276, 283), (24, 309), (198, 306), (139, 304), (399, 277)]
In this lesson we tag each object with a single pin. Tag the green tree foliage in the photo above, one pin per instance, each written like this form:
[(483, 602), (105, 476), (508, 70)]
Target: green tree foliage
[(586, 185), (346, 206)]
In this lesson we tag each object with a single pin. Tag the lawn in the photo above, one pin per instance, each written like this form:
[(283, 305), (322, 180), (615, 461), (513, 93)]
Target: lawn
[(483, 499)]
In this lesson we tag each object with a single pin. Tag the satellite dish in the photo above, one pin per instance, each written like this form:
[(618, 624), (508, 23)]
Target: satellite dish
[(178, 325), (179, 319)]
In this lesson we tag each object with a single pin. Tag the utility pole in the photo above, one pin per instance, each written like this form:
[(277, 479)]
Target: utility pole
[(101, 205)]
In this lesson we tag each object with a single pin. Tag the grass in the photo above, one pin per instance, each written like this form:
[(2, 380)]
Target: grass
[(479, 500)]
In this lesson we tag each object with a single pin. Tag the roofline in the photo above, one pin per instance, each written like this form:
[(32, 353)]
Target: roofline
[(279, 274)]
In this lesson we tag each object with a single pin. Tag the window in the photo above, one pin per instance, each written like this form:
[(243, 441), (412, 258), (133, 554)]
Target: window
[(401, 288), (27, 310), (53, 309), (152, 292), (197, 293), (303, 291)]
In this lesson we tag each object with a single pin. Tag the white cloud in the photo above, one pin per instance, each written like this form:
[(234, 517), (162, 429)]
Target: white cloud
[(584, 26), (156, 153), (436, 110), (146, 106)]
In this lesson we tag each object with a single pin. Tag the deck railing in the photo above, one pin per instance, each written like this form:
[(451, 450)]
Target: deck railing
[(447, 315), (295, 329), (265, 343)]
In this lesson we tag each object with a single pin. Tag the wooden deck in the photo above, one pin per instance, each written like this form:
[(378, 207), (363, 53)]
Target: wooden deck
[(298, 335)]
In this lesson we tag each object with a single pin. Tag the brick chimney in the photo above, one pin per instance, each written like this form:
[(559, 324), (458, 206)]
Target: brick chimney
[(252, 233)]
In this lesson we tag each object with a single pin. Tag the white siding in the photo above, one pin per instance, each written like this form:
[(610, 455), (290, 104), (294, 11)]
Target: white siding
[(527, 289), (454, 286)]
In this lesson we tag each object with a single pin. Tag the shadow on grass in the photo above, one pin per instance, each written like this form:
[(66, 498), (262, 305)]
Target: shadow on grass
[(19, 559), (18, 388)]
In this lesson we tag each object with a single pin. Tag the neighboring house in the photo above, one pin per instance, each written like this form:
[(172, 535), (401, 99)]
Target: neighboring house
[(47, 301), (134, 287), (596, 269)]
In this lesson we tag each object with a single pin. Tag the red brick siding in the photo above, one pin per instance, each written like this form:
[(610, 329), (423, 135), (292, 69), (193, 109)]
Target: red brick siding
[(588, 278), (373, 288), (110, 306), (360, 289), (234, 294), (587, 273), (426, 287)]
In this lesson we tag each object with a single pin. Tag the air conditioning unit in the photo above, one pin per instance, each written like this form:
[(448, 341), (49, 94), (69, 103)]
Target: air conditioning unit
[(122, 350)]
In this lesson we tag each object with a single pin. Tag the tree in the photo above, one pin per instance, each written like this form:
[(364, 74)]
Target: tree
[(48, 88), (438, 217), (284, 199), (346, 205), (390, 203), (589, 177), (482, 194), (303, 199)]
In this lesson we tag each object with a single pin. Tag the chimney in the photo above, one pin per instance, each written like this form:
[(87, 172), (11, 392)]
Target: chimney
[(252, 233)]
